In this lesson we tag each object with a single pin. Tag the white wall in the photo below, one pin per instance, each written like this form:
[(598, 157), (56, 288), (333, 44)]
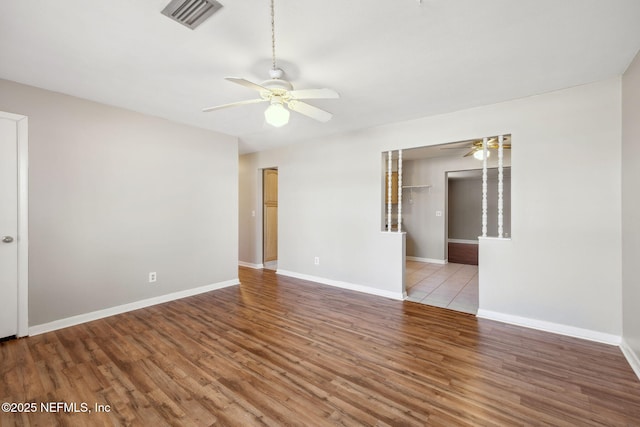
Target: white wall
[(250, 208), (324, 198), (563, 263), (631, 209), (114, 195)]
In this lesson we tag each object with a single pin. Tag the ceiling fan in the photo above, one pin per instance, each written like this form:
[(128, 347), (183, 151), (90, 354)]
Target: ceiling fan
[(475, 147), (280, 93)]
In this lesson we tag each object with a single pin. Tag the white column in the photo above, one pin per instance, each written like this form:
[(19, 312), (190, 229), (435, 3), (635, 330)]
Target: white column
[(500, 188), (484, 187), (399, 191), (389, 166)]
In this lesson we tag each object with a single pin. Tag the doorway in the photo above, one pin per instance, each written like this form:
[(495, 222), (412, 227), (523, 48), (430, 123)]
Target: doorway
[(270, 218), (464, 202), (441, 266), (13, 226)]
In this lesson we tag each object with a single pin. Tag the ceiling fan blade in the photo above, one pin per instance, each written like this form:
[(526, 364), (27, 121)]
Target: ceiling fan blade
[(233, 104), (246, 83), (310, 111), (470, 153), (314, 94)]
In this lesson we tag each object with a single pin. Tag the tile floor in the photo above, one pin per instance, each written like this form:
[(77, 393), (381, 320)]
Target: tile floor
[(453, 286)]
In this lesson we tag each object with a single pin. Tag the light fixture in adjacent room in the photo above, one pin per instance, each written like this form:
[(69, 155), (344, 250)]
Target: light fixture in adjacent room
[(479, 154), (276, 115)]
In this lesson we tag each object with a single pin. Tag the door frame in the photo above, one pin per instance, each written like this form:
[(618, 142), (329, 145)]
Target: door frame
[(263, 225), (22, 127)]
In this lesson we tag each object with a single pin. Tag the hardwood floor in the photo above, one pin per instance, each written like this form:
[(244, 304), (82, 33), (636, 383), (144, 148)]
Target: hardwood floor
[(281, 351), (462, 253)]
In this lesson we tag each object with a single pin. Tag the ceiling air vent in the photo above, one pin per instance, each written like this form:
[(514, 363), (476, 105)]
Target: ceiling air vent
[(191, 13)]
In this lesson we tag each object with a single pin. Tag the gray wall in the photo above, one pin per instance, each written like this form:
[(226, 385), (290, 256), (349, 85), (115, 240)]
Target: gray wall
[(631, 208), (114, 195), (465, 206)]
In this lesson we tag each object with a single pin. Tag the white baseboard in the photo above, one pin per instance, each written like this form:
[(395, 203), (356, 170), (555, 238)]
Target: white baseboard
[(631, 356), (99, 314), (344, 285), (431, 260), (250, 265), (555, 328)]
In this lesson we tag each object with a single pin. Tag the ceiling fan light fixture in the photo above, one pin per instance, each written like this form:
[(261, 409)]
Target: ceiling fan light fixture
[(479, 155), (276, 115)]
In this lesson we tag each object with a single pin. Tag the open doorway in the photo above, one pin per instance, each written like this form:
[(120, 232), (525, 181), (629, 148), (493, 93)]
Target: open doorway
[(270, 217), (434, 273), (464, 201)]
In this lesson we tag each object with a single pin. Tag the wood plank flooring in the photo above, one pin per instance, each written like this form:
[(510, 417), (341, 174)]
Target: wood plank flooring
[(462, 253), (279, 351)]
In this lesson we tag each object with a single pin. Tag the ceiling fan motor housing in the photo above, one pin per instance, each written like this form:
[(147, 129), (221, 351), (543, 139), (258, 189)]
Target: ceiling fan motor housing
[(277, 84), (276, 73), (275, 88)]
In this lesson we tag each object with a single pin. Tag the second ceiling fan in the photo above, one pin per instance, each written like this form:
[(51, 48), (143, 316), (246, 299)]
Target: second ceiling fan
[(280, 93), (475, 147)]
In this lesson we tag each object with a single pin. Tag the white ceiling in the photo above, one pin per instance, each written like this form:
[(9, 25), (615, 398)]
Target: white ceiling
[(389, 60)]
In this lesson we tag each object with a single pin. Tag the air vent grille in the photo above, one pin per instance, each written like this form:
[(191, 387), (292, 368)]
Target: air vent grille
[(191, 13)]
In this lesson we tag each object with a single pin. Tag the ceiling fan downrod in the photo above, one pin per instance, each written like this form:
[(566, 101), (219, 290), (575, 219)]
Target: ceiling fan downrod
[(274, 67)]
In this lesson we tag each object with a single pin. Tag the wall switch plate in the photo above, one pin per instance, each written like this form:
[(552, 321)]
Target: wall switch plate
[(152, 277), (316, 260), (253, 213)]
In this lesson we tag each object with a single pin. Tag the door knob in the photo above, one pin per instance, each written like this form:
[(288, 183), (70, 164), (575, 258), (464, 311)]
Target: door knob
[(7, 239)]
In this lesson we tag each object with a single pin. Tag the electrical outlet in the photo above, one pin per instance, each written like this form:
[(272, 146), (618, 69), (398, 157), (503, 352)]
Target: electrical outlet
[(438, 213), (316, 260), (152, 277)]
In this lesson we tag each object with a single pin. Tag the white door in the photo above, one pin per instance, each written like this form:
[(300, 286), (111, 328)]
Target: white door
[(8, 228)]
